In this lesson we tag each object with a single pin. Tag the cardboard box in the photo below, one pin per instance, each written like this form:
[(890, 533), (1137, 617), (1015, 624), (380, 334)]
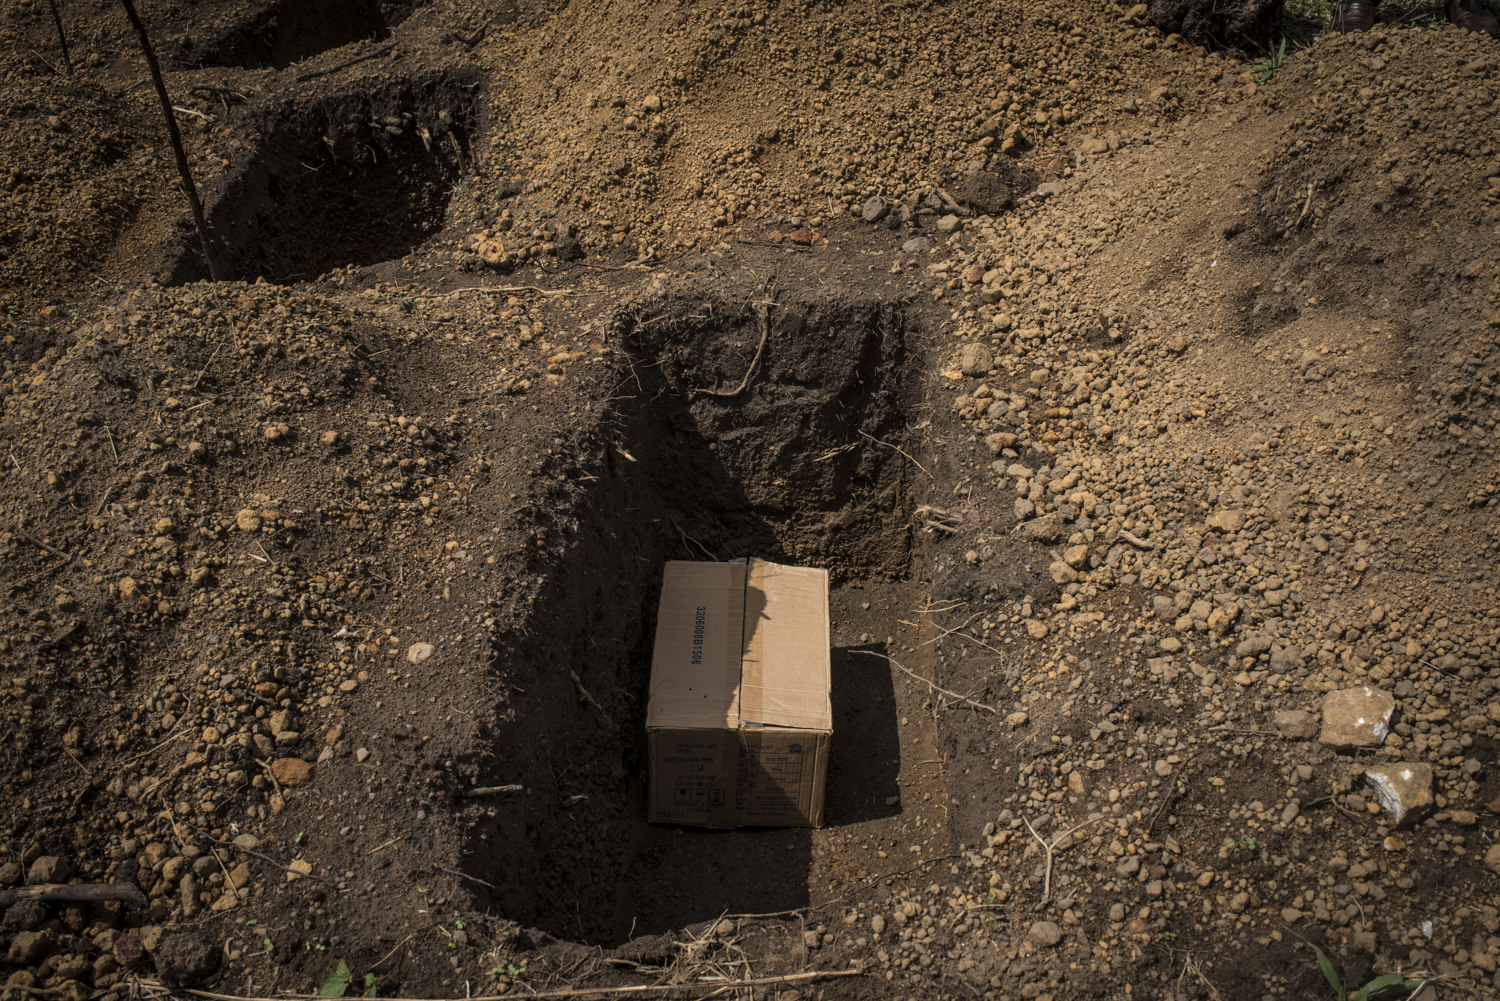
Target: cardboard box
[(740, 716)]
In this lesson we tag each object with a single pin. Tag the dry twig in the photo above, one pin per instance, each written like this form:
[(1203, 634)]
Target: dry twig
[(314, 74), (899, 451), (505, 290), (765, 335), (574, 992), (1049, 848), (479, 791), (936, 688), (74, 892), (174, 135), (62, 39)]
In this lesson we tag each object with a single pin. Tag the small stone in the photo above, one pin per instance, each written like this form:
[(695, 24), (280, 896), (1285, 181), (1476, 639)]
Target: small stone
[(877, 924), (362, 755), (1062, 573), (298, 869), (975, 359), (1405, 790), (1357, 717), (1253, 645), (1044, 934), (292, 772), (949, 223), (1048, 528), (1492, 859), (30, 947), (874, 209), (1284, 659), (1227, 520), (418, 652), (128, 950), (49, 869), (1074, 556), (188, 889), (1295, 724), (246, 842)]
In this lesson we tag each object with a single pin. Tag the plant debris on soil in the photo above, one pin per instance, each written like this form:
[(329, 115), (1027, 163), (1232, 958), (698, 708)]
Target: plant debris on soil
[(1140, 399)]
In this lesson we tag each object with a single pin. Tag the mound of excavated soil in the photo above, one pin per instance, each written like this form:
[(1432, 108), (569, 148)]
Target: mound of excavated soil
[(1144, 415)]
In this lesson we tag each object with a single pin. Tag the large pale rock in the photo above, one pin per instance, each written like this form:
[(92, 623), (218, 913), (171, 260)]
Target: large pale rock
[(1405, 790), (1357, 717)]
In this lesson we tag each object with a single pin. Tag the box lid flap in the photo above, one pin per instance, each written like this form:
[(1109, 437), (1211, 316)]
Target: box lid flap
[(695, 664), (786, 667)]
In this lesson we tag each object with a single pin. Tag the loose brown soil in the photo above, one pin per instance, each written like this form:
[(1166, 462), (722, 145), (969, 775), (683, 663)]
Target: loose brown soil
[(1132, 404)]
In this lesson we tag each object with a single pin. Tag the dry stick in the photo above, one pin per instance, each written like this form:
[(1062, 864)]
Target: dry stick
[(225, 870), (950, 632), (174, 135), (394, 948), (41, 545), (936, 688), (576, 992), (1306, 206), (765, 335), (62, 38), (504, 289), (461, 875), (583, 693), (204, 370), (74, 892), (1047, 879), (314, 74), (479, 791), (900, 451)]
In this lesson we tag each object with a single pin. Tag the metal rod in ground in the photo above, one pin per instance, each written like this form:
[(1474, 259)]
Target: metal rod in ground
[(62, 38), (174, 135)]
